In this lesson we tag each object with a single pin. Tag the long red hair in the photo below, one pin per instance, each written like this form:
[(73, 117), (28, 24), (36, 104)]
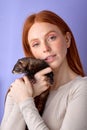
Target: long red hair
[(50, 17)]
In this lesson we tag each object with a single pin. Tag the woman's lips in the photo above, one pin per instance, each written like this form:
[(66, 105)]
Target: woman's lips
[(50, 58)]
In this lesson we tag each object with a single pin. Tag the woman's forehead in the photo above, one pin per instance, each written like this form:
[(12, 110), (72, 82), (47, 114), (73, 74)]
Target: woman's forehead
[(41, 28)]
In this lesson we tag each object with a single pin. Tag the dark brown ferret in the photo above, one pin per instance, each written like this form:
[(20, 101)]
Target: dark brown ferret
[(29, 66)]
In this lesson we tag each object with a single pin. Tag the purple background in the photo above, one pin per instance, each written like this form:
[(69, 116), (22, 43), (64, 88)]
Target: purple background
[(12, 16)]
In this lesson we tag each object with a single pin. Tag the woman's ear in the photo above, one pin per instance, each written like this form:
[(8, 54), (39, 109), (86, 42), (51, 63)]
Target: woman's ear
[(68, 39)]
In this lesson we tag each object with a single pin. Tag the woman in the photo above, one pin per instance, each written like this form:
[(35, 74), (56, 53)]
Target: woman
[(46, 36)]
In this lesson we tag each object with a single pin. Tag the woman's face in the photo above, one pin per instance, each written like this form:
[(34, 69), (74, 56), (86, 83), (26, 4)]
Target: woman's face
[(47, 42)]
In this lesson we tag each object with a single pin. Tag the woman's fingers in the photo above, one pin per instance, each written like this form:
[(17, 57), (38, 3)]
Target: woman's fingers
[(26, 80), (42, 82), (42, 72)]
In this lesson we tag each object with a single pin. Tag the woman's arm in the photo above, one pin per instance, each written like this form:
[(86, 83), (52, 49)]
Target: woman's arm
[(76, 113), (23, 91), (31, 115), (12, 118)]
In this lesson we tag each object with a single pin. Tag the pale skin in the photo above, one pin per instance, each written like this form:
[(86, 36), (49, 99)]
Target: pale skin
[(46, 42)]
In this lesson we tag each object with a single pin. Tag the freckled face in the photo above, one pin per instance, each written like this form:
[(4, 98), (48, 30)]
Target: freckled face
[(47, 42)]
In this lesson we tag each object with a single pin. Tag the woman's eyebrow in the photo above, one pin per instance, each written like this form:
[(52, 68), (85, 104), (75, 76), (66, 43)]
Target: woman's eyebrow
[(51, 31), (35, 39)]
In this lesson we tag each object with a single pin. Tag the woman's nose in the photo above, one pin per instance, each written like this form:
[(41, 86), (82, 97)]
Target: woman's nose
[(46, 48)]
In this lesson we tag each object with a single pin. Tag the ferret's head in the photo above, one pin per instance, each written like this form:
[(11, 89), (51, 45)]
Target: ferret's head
[(21, 66), (30, 66)]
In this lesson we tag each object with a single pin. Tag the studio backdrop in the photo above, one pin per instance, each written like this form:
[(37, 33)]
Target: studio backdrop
[(12, 16)]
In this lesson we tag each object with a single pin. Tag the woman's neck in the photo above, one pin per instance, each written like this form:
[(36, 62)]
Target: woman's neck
[(63, 75)]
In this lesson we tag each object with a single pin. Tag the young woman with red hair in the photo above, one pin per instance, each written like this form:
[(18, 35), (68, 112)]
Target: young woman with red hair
[(46, 36)]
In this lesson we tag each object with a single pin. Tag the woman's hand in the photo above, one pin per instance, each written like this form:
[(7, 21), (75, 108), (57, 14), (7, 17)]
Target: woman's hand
[(42, 82), (21, 89)]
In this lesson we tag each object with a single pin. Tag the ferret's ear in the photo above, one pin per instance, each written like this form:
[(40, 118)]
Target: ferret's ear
[(22, 63), (68, 39)]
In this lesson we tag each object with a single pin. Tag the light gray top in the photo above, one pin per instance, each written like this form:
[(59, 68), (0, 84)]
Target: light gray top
[(66, 109)]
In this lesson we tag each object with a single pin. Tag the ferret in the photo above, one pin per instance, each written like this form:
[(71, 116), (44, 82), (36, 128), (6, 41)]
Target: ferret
[(30, 66)]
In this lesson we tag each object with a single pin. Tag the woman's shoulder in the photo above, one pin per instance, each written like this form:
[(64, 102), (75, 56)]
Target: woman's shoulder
[(79, 85), (81, 80), (76, 83)]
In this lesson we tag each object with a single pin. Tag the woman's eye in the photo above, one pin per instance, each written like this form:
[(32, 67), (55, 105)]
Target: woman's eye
[(51, 38), (35, 44)]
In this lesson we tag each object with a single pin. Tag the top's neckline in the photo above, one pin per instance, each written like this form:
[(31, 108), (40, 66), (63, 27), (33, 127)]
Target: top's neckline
[(68, 83)]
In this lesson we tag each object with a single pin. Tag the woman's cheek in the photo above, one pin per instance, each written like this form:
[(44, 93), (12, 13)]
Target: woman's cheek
[(36, 53), (61, 49)]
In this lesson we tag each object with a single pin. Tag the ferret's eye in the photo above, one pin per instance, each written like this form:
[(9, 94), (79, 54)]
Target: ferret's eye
[(20, 62)]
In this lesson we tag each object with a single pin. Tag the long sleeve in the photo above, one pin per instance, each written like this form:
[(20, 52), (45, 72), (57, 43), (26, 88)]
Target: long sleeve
[(31, 116), (12, 118), (76, 113)]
